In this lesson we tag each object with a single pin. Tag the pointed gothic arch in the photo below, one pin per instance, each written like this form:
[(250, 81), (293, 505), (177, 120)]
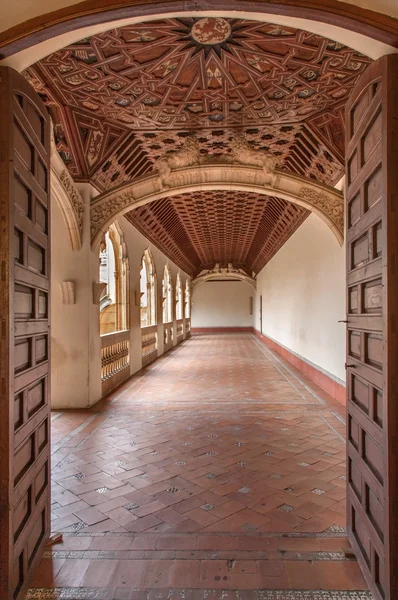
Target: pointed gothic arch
[(187, 299), (179, 310), (114, 275), (148, 290), (167, 288)]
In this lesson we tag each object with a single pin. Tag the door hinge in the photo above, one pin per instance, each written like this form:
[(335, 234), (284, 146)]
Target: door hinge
[(342, 321)]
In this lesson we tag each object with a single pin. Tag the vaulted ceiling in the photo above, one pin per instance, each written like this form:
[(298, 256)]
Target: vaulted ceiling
[(201, 229), (121, 99)]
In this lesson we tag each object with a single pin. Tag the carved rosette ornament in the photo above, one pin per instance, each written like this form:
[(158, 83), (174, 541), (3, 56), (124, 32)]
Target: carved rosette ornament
[(330, 205)]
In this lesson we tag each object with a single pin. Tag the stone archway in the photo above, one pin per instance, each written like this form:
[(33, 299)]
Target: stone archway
[(324, 201), (343, 15), (228, 273)]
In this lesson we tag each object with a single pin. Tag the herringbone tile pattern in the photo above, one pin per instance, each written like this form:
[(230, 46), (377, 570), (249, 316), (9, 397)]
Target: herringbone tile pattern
[(204, 471)]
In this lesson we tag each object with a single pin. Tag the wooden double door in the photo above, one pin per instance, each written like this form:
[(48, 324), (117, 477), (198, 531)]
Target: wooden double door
[(24, 332), (372, 328)]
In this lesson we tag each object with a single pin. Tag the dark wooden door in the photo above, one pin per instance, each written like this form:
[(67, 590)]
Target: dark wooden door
[(372, 342), (24, 337), (261, 314)]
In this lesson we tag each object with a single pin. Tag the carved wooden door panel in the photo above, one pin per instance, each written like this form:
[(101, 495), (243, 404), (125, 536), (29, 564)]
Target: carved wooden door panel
[(24, 338), (372, 342)]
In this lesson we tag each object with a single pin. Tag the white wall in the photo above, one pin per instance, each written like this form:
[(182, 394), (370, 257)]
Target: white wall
[(75, 328), (222, 304), (70, 329), (303, 290)]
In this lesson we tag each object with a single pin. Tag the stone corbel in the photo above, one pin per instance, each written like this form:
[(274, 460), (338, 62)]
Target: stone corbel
[(98, 288), (68, 292), (137, 298)]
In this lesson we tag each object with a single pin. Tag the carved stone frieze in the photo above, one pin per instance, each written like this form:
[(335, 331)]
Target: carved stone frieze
[(102, 212), (70, 203), (246, 154), (229, 272), (187, 156), (75, 199), (331, 205)]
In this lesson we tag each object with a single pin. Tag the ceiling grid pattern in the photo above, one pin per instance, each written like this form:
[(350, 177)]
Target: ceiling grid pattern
[(244, 229)]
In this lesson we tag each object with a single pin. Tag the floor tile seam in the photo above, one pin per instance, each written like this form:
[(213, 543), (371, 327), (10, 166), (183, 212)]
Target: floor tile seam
[(266, 352), (56, 416), (324, 419), (307, 387), (78, 429), (167, 360), (339, 417)]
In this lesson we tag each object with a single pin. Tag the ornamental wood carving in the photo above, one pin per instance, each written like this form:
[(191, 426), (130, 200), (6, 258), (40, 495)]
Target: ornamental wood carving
[(123, 98)]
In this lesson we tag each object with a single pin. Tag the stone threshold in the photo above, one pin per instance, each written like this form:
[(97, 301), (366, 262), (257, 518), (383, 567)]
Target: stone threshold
[(252, 555), (192, 594)]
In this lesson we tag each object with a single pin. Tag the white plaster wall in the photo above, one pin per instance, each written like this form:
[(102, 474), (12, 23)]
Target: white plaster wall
[(222, 304), (70, 323), (303, 290), (76, 341)]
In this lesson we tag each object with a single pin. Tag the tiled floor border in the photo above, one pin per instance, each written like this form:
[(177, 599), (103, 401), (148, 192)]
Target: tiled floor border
[(192, 594), (197, 555), (317, 375)]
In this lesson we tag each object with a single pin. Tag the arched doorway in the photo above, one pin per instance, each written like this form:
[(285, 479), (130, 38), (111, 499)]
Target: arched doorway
[(364, 455)]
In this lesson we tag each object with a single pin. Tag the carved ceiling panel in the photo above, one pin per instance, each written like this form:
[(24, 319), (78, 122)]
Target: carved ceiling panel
[(285, 88), (122, 99), (166, 75), (198, 230)]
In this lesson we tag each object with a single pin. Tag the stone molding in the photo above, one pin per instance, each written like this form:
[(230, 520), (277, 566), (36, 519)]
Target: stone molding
[(324, 201), (71, 204), (229, 273)]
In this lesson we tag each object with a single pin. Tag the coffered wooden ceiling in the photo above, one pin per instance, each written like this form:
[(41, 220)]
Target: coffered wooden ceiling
[(201, 229), (121, 99)]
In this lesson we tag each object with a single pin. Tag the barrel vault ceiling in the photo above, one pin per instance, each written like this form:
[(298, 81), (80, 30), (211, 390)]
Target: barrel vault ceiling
[(121, 99)]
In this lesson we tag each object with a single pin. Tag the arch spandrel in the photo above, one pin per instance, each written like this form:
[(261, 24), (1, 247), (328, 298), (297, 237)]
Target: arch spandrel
[(324, 201)]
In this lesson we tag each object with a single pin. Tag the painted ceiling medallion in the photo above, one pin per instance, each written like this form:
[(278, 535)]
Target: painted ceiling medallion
[(210, 31)]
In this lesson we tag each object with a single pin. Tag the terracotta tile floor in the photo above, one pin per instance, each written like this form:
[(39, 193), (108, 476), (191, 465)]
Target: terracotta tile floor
[(220, 467)]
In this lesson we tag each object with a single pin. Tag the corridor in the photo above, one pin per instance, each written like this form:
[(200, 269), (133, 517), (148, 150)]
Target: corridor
[(217, 468)]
